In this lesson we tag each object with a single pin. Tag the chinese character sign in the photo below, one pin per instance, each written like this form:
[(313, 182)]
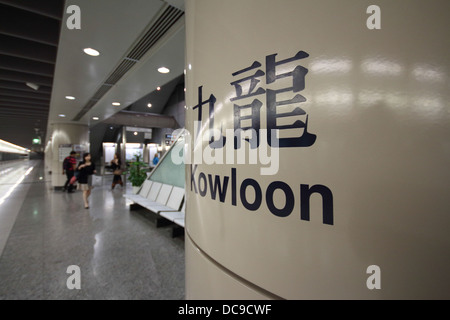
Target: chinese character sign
[(252, 93)]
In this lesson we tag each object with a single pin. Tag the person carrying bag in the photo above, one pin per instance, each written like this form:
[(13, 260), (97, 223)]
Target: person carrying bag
[(116, 165)]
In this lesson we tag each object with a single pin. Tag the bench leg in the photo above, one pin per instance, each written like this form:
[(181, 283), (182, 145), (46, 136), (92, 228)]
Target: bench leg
[(177, 231), (162, 222), (135, 206)]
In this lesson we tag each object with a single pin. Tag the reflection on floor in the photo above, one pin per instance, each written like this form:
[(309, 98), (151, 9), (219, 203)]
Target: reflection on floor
[(120, 253)]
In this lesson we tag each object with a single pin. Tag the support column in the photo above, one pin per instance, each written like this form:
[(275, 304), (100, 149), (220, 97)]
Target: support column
[(123, 153), (64, 137), (355, 201)]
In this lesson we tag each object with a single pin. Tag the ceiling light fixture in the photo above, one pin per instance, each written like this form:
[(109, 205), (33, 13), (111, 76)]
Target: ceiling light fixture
[(116, 103), (61, 115), (135, 133), (91, 52), (32, 85), (163, 70), (149, 105), (95, 118), (158, 88), (70, 98)]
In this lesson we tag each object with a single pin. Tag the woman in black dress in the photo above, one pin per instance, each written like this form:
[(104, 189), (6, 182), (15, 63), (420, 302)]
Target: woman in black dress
[(116, 166), (86, 169)]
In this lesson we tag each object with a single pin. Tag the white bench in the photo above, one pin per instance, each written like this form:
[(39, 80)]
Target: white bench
[(162, 199), (175, 216)]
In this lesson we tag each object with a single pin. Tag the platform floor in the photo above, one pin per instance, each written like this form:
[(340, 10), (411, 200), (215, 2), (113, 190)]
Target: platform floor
[(120, 253)]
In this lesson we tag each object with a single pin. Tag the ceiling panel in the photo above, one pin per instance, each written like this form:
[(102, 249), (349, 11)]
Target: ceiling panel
[(28, 25), (144, 78), (37, 47), (109, 26), (29, 33)]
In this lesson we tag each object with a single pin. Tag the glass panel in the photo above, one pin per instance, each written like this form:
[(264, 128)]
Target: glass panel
[(167, 171)]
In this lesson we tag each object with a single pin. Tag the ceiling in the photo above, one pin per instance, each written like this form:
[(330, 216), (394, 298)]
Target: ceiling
[(134, 39), (29, 34)]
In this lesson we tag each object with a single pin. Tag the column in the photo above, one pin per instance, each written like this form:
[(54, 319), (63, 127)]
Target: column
[(63, 138)]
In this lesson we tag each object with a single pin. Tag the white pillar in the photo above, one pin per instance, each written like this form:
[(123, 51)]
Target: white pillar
[(357, 205), (62, 136)]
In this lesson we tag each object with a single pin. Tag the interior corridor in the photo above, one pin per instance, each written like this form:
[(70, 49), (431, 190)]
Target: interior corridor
[(120, 253)]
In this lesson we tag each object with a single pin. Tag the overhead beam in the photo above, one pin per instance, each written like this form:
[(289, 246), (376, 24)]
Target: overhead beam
[(27, 66), (42, 119), (23, 104), (30, 115), (26, 25), (24, 108), (5, 84), (24, 77), (51, 9), (26, 49), (29, 101), (23, 94)]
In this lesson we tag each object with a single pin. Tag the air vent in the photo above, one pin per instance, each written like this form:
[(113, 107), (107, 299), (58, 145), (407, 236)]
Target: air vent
[(158, 29), (85, 109), (165, 21), (101, 92)]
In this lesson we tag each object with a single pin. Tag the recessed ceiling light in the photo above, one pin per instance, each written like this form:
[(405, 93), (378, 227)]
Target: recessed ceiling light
[(163, 70), (135, 133), (158, 88), (149, 105), (116, 103), (32, 85), (70, 98), (61, 115), (91, 52), (95, 118)]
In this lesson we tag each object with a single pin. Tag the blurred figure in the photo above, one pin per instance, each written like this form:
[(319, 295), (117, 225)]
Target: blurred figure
[(155, 159), (116, 166), (86, 169), (69, 165)]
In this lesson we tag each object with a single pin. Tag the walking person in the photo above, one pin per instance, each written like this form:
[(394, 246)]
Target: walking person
[(86, 169), (116, 166), (155, 159), (69, 165)]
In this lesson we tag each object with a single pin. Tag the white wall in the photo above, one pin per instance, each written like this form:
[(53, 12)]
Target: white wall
[(376, 102)]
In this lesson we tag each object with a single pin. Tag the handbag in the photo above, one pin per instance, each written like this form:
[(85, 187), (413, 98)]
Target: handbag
[(117, 172), (96, 180)]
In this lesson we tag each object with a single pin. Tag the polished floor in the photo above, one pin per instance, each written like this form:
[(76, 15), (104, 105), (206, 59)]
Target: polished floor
[(120, 254)]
